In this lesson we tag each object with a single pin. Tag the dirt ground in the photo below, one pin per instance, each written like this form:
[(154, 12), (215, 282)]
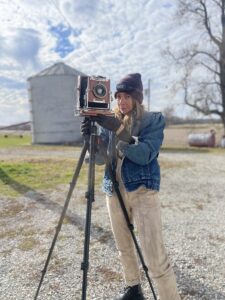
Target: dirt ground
[(193, 204)]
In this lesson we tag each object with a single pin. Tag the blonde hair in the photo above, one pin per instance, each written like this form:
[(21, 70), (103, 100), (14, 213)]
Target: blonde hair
[(136, 113)]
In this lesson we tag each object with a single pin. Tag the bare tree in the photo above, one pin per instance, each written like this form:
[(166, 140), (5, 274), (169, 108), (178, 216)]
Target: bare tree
[(203, 63), (169, 114)]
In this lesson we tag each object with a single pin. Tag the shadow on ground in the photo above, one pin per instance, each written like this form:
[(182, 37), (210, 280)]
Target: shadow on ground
[(190, 286)]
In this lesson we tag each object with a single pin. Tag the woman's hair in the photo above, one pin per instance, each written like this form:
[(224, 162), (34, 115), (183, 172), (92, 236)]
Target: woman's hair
[(136, 113)]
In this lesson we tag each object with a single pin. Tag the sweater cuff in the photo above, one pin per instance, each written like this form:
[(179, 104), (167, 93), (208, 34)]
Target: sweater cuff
[(136, 140)]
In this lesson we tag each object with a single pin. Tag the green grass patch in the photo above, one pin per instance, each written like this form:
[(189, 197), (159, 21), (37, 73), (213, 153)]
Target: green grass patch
[(28, 244), (203, 150), (175, 149), (16, 142), (167, 164), (12, 210), (10, 234), (20, 176), (13, 140), (13, 233)]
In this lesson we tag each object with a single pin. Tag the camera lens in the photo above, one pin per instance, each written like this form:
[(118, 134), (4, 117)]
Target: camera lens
[(99, 90)]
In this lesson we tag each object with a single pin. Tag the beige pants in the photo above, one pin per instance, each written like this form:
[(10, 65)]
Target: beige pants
[(143, 207)]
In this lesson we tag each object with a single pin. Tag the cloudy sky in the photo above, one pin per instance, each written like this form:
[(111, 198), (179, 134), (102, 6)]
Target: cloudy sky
[(98, 37)]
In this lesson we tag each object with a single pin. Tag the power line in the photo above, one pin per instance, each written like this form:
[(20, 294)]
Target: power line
[(71, 27)]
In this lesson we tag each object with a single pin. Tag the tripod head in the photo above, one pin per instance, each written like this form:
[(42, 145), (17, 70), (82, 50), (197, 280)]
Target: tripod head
[(88, 127)]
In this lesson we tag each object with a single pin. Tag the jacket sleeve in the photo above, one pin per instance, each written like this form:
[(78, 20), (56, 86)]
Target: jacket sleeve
[(149, 141)]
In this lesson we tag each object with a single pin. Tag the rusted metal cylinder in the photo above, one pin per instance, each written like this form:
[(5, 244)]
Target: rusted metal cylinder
[(202, 139)]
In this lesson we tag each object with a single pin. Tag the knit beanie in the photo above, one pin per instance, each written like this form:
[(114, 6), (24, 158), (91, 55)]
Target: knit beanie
[(132, 85)]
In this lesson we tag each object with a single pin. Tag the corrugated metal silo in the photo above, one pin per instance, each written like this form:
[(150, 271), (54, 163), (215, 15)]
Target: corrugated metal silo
[(52, 100)]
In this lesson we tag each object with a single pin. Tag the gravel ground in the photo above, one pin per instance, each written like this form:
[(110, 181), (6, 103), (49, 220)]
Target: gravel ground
[(193, 205)]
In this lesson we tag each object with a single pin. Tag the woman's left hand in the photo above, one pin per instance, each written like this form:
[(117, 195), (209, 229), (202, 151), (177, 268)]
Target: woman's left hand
[(113, 124), (107, 122)]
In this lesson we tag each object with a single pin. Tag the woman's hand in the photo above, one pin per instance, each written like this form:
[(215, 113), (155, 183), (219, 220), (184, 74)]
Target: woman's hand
[(107, 122), (113, 124), (85, 127)]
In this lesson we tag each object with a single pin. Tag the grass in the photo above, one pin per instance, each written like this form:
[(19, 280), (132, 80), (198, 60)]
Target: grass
[(28, 244), (12, 210), (187, 149), (167, 164), (26, 237), (8, 234), (20, 176), (13, 140)]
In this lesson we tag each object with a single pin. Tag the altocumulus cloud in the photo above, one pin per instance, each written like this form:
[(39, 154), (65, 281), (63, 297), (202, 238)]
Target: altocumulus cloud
[(80, 11), (23, 46)]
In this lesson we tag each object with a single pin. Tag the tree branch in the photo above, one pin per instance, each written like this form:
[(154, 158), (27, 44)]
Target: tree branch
[(216, 103), (208, 68), (205, 83), (207, 25), (205, 92), (199, 52), (195, 105), (205, 111), (217, 3)]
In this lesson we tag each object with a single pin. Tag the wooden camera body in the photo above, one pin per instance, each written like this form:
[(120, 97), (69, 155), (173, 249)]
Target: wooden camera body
[(93, 95)]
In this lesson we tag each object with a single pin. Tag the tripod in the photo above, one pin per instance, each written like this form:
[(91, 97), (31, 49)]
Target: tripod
[(90, 143)]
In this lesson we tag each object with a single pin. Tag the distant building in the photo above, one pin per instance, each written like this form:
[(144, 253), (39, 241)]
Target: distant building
[(52, 94)]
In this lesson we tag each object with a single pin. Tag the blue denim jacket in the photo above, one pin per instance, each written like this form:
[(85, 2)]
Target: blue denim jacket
[(140, 165)]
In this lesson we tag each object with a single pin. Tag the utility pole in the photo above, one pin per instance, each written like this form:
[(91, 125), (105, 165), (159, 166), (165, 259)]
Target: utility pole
[(147, 93)]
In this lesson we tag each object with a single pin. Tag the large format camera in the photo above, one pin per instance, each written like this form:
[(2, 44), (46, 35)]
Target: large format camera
[(93, 96)]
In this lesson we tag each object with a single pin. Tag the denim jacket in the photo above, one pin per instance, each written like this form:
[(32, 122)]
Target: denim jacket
[(140, 165)]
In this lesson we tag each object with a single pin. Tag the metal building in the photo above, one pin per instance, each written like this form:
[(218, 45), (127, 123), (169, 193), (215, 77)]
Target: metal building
[(52, 95)]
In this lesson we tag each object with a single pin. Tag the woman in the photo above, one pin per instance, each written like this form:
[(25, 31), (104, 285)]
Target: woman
[(133, 139)]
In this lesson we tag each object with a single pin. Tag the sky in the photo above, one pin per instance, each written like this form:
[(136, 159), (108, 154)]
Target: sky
[(100, 37)]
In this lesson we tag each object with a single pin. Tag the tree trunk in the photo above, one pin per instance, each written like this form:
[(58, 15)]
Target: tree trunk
[(222, 63)]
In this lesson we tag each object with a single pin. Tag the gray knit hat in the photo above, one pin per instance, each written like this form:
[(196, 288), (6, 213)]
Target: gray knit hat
[(132, 85)]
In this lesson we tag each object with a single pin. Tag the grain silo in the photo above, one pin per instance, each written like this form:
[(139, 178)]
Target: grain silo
[(52, 99)]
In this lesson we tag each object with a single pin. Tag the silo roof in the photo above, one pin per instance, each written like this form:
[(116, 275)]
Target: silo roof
[(58, 69)]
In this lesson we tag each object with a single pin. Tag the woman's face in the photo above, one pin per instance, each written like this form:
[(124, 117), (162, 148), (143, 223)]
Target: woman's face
[(125, 102)]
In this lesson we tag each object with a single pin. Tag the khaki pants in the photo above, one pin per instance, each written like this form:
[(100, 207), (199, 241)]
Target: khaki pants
[(143, 207)]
